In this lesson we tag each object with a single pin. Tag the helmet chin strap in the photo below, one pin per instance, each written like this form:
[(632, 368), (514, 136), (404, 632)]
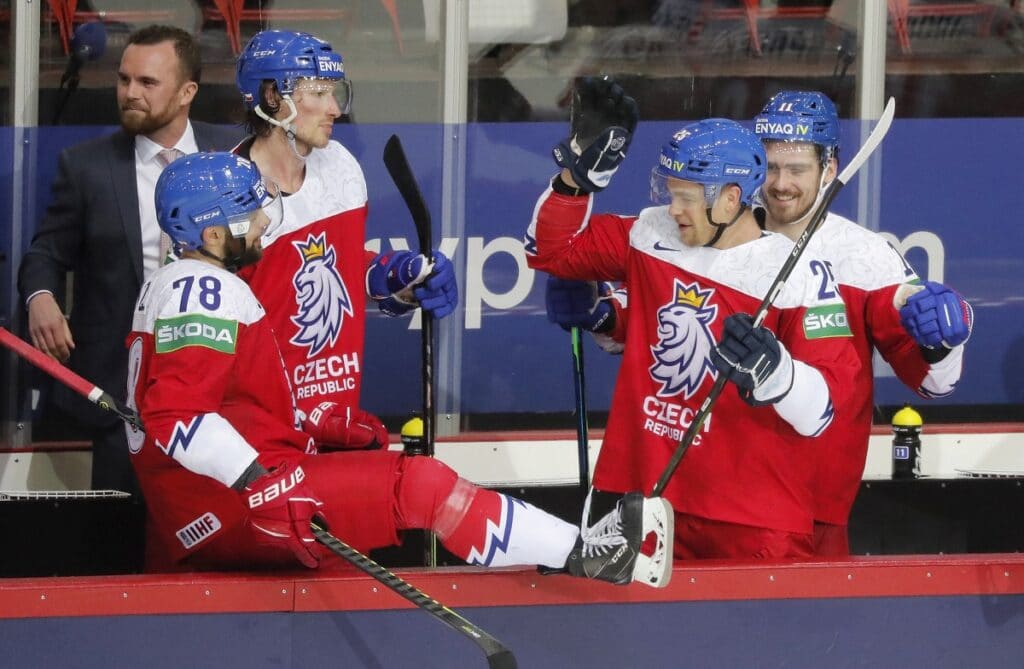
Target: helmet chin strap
[(711, 194), (720, 227), (231, 262), (285, 123)]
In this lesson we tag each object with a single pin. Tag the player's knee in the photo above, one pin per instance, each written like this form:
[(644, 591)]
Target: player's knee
[(431, 495)]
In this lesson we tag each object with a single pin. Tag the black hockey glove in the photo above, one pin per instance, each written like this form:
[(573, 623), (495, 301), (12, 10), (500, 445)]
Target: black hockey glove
[(754, 360), (603, 121)]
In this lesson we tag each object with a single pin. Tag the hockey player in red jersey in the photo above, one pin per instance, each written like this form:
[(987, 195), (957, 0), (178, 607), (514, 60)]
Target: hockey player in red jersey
[(695, 267), (918, 328), (229, 478), (800, 131), (314, 278)]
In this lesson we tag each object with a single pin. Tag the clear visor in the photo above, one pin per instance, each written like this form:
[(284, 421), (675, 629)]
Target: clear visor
[(795, 156), (339, 89), (667, 190), (270, 214)]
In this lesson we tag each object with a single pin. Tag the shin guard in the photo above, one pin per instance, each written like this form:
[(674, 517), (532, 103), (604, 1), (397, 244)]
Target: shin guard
[(480, 526)]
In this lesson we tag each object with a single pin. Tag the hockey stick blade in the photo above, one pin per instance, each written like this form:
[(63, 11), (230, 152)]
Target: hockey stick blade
[(398, 167), (498, 656), (870, 144), (91, 392)]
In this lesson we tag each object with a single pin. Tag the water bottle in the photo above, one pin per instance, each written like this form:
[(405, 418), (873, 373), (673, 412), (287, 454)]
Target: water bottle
[(413, 442), (906, 443)]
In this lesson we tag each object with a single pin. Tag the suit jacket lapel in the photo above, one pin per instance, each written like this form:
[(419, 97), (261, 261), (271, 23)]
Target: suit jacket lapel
[(203, 139), (206, 137), (122, 173)]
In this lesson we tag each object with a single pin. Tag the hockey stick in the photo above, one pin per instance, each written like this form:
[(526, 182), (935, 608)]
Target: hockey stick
[(401, 174), (498, 657), (872, 142), (398, 167), (579, 386), (91, 392)]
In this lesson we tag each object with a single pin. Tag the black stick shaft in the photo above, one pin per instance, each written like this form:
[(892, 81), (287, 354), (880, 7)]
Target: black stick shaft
[(498, 656), (401, 173), (579, 386)]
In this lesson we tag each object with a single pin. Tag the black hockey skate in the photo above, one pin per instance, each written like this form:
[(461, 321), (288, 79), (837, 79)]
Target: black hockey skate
[(610, 549)]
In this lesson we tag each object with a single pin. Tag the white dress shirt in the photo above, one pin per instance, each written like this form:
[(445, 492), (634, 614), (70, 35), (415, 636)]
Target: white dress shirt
[(147, 170)]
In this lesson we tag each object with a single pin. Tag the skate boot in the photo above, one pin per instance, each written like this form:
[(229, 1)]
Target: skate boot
[(610, 549)]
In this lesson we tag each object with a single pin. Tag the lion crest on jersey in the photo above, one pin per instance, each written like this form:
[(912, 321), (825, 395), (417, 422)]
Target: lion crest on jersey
[(320, 294), (682, 356)]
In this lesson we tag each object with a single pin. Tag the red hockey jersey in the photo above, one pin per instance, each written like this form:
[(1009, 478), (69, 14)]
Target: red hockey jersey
[(312, 280), (751, 466), (207, 379)]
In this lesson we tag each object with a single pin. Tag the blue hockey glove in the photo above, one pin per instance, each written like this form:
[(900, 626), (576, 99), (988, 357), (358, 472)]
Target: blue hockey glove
[(439, 294), (582, 304), (754, 360), (937, 316), (603, 120), (403, 280), (391, 278)]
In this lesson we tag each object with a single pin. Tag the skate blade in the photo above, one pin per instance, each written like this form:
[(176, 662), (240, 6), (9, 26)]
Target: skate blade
[(655, 570)]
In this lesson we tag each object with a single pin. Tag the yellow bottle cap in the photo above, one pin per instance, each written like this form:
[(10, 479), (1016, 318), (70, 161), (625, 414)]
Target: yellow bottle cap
[(413, 428), (907, 417)]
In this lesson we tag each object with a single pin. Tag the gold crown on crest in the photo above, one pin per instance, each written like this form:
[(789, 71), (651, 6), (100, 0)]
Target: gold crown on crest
[(689, 296), (313, 248)]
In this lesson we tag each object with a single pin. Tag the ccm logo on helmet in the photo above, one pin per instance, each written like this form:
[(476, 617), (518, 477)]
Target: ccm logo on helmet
[(206, 216), (732, 170), (279, 488)]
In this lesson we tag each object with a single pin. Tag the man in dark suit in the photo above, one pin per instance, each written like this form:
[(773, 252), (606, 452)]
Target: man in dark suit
[(101, 225)]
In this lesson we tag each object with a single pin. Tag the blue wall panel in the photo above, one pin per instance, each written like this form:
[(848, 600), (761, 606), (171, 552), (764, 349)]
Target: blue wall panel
[(906, 632), (954, 178)]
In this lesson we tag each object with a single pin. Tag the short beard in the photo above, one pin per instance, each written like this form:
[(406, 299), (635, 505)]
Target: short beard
[(144, 124), (801, 216)]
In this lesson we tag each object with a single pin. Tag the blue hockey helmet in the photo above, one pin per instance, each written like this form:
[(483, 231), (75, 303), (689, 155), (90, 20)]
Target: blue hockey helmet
[(713, 152), (287, 57), (800, 116), (203, 190)]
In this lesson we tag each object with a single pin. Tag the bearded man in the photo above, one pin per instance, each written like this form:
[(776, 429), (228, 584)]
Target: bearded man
[(101, 226)]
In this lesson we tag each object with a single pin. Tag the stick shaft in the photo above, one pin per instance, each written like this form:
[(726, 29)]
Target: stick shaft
[(90, 391), (579, 387), (498, 656), (401, 173)]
